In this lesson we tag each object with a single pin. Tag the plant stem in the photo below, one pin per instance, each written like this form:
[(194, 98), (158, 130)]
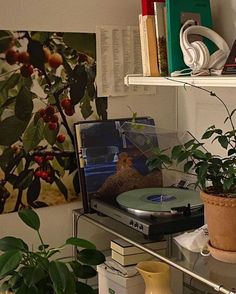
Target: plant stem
[(42, 243), (209, 92), (18, 201)]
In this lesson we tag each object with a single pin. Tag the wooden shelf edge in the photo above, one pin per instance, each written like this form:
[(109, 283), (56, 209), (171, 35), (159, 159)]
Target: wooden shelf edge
[(210, 81)]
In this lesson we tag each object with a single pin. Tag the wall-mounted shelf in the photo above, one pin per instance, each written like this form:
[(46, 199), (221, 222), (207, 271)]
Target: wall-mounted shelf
[(209, 81)]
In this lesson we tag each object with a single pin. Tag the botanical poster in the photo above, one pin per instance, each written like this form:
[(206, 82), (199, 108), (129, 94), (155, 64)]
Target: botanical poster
[(47, 83)]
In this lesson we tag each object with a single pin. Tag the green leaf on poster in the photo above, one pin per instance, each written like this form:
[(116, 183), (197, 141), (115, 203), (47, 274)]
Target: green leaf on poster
[(11, 129), (82, 42)]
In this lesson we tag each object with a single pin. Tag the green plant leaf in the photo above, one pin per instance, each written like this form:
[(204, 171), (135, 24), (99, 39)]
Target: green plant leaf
[(198, 154), (82, 271), (182, 156), (8, 136), (231, 152), (176, 151), (80, 243), (10, 83), (202, 170), (61, 187), (30, 218), (50, 135), (33, 191), (91, 256), (24, 104), (81, 42), (78, 84), (76, 183), (42, 37), (60, 276), (32, 274), (6, 156), (9, 261), (91, 91), (33, 135), (15, 281), (228, 183), (6, 38), (189, 144), (85, 106), (83, 288), (154, 163), (101, 107), (188, 166), (208, 134), (165, 159), (232, 113), (223, 140), (216, 161), (24, 289), (24, 179), (11, 243)]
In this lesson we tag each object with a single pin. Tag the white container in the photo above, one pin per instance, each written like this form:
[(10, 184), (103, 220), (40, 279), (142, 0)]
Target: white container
[(112, 283)]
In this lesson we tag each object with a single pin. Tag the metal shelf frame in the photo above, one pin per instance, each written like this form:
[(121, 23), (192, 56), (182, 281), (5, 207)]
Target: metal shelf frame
[(120, 230)]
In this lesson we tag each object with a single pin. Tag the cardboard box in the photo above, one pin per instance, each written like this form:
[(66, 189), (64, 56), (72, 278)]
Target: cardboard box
[(112, 283)]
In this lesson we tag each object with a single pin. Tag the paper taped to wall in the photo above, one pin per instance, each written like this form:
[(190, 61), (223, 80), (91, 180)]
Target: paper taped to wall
[(118, 51)]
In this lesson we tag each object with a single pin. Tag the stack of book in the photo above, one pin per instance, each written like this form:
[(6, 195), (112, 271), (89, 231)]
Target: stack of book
[(126, 254), (159, 24)]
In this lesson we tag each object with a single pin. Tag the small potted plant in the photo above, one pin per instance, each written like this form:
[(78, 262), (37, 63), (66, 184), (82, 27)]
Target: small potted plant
[(27, 271), (216, 179)]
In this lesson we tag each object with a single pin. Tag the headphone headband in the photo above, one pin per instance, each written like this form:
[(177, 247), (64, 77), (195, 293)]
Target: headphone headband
[(207, 33)]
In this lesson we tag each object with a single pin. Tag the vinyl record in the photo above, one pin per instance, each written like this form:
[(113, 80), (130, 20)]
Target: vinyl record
[(158, 201)]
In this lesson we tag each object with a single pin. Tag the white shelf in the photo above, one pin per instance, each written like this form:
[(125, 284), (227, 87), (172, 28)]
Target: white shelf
[(210, 81)]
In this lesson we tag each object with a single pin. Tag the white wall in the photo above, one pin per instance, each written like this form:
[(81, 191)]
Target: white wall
[(79, 16)]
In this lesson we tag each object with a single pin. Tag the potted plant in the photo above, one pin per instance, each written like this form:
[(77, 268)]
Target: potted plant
[(215, 177), (27, 271)]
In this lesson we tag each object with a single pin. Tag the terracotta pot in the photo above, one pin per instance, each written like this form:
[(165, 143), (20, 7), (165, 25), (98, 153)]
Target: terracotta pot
[(156, 276), (220, 214)]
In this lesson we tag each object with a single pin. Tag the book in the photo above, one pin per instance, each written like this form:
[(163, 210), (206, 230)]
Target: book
[(148, 39), (147, 7), (125, 248), (161, 37), (230, 64), (149, 33), (178, 12), (127, 260), (144, 49)]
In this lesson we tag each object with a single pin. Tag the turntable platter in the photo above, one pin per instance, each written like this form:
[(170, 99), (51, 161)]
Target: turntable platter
[(158, 201)]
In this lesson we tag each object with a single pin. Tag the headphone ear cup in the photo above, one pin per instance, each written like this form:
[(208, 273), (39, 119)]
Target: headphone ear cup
[(202, 55), (189, 56)]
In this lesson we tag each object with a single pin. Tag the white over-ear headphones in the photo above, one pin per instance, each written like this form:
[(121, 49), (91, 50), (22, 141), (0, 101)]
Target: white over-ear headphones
[(196, 54)]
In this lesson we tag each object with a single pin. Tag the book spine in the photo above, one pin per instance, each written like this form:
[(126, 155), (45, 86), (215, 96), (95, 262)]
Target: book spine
[(148, 6), (144, 49), (161, 37), (150, 32)]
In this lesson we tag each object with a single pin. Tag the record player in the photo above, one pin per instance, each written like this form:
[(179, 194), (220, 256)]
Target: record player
[(116, 182)]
